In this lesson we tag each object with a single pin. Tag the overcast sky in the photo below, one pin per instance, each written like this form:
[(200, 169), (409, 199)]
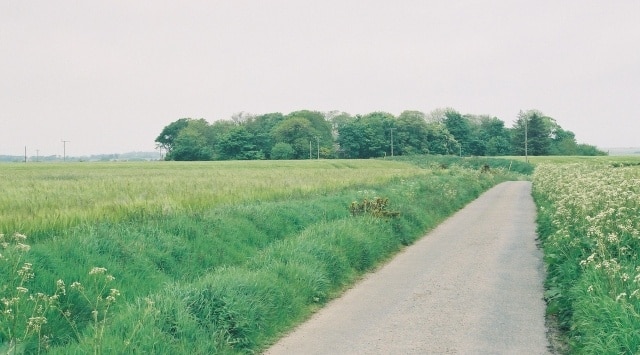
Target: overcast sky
[(109, 75)]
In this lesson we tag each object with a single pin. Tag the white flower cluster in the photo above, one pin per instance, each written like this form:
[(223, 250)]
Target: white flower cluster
[(596, 212)]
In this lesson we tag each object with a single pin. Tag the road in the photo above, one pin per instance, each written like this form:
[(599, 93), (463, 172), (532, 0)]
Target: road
[(474, 285)]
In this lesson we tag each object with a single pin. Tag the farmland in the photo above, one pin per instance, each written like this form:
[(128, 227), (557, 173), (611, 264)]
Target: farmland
[(590, 232), (216, 257)]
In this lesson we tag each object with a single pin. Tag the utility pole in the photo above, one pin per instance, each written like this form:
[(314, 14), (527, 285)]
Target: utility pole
[(526, 139), (25, 153), (392, 140), (309, 149), (64, 150), (318, 140)]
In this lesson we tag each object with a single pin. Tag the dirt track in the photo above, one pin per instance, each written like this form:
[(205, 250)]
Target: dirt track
[(471, 286)]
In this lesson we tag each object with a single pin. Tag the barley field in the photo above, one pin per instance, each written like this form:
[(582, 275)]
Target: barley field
[(36, 199)]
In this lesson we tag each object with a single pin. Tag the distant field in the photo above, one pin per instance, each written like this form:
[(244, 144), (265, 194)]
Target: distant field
[(47, 198)]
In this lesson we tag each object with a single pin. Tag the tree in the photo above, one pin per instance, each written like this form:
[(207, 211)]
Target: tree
[(366, 136), (377, 134), (439, 140), (495, 135), (351, 137), (323, 135), (563, 143), (411, 134), (531, 134), (191, 143), (459, 127), (298, 133), (261, 127), (166, 139), (237, 144), (282, 151)]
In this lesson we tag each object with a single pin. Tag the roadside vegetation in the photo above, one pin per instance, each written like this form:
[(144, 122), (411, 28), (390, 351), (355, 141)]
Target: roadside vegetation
[(590, 232), (218, 257)]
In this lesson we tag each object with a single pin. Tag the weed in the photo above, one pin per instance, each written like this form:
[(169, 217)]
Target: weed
[(376, 207)]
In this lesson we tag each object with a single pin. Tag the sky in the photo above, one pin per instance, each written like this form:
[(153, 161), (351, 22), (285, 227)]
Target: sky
[(108, 76)]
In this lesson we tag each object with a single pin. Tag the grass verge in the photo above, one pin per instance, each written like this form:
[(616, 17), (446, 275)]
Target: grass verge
[(588, 225)]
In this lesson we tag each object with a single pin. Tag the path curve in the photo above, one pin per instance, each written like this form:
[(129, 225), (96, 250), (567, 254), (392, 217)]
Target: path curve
[(473, 285)]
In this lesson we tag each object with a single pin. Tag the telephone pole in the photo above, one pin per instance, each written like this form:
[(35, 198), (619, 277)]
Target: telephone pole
[(391, 140), (64, 150), (526, 140)]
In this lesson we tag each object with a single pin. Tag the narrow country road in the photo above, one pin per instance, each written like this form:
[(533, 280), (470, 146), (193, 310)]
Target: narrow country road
[(473, 285)]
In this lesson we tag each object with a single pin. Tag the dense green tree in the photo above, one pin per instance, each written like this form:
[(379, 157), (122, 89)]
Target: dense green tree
[(495, 136), (531, 134), (282, 151), (411, 134), (440, 140), (237, 144), (166, 139), (297, 132), (322, 136), (366, 136), (351, 137), (563, 143), (192, 143), (261, 128), (460, 128), (377, 137), (304, 134)]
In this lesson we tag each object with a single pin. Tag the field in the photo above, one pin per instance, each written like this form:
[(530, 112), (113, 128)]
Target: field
[(217, 257), (590, 232)]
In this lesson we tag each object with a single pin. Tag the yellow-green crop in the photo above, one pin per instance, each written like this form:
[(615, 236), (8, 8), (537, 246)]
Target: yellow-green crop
[(38, 198)]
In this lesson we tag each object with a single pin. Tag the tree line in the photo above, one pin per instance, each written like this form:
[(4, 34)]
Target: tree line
[(311, 134)]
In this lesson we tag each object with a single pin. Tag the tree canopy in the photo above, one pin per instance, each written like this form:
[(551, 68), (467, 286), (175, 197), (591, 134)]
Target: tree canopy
[(312, 134)]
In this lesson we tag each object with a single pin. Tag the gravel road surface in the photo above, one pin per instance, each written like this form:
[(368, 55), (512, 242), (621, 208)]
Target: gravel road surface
[(473, 285)]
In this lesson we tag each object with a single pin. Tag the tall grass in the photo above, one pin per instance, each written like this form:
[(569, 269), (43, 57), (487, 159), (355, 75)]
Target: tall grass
[(589, 227), (230, 275)]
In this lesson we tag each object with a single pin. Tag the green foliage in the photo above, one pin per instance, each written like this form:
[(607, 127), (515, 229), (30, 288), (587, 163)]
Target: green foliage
[(34, 321), (337, 134), (169, 134), (192, 143), (237, 144), (460, 129), (298, 133), (532, 132), (282, 151), (366, 136), (411, 135), (496, 137)]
